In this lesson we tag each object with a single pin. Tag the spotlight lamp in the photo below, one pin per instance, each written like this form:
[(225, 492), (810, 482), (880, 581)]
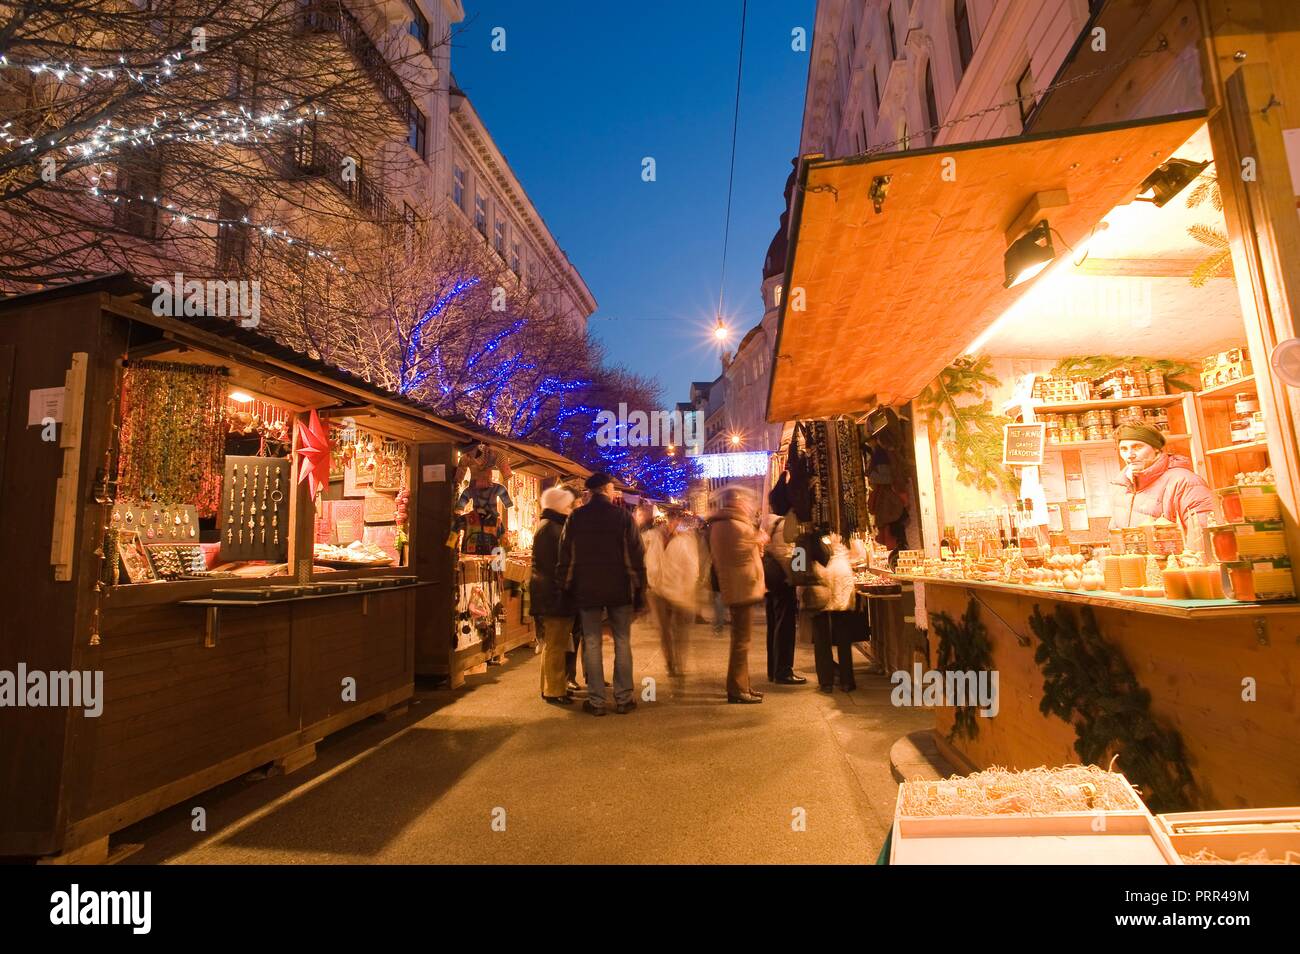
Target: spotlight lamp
[(1169, 179), (1028, 255)]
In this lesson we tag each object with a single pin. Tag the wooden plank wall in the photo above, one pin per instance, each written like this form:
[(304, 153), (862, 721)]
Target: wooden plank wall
[(40, 615), (1242, 754)]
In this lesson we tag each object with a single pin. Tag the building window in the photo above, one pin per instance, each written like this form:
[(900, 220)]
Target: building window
[(514, 260), (480, 215), (139, 216), (1025, 93), (875, 92), (904, 138), (245, 80), (961, 21), (232, 239), (776, 296), (419, 25), (532, 275), (889, 26), (862, 119), (416, 136), (499, 237), (458, 187), (932, 107)]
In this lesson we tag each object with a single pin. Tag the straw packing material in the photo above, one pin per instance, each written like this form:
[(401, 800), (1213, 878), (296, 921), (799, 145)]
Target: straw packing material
[(1207, 857), (1040, 791)]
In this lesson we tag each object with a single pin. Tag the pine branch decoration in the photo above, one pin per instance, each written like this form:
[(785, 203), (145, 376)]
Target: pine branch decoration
[(1087, 683), (964, 646), (963, 423)]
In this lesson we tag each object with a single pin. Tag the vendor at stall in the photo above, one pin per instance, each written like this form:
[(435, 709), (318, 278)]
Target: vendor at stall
[(1156, 484)]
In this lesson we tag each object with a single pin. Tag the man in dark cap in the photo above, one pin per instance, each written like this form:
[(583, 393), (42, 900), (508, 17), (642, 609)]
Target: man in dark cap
[(602, 570), (1156, 484)]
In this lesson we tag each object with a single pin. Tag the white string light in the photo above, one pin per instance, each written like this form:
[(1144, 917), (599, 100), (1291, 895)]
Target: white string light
[(187, 218)]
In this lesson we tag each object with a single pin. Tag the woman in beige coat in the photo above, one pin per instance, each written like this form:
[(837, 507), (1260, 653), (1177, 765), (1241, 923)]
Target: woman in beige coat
[(736, 547)]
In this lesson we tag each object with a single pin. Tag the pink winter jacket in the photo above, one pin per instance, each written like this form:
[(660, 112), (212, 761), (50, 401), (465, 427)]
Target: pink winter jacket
[(1168, 488)]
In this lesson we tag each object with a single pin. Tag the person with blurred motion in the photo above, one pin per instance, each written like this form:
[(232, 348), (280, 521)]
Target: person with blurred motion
[(781, 604), (672, 568), (552, 615), (602, 570), (737, 547)]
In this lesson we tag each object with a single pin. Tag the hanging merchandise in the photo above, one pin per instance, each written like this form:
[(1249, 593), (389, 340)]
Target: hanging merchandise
[(271, 424), (817, 435), (173, 434), (798, 466), (852, 480), (482, 523), (390, 467)]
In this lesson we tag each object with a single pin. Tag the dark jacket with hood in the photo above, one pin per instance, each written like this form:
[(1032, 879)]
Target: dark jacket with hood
[(544, 596), (602, 559)]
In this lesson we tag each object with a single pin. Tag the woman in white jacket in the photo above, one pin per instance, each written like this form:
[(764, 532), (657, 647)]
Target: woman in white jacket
[(672, 566), (832, 599)]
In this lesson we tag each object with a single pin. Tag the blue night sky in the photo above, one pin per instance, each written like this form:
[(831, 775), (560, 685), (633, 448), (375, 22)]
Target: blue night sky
[(584, 91)]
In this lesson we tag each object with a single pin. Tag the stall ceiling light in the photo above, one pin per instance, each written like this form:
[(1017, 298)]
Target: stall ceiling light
[(1028, 255), (1169, 179), (239, 397)]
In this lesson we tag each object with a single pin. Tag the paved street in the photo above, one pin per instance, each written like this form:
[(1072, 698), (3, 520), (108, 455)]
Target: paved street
[(684, 779)]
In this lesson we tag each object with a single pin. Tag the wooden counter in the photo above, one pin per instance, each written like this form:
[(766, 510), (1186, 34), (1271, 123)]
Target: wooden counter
[(1183, 609), (1193, 663)]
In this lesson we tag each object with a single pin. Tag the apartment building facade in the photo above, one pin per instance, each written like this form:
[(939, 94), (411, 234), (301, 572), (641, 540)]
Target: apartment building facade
[(482, 192)]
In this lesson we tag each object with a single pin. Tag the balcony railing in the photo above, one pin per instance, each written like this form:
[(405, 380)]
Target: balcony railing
[(305, 155), (330, 16)]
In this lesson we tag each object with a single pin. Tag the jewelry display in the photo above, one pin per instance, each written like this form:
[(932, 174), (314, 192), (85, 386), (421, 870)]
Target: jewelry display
[(258, 480)]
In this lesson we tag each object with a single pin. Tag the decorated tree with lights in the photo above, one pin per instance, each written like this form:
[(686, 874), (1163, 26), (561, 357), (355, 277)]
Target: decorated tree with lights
[(198, 135)]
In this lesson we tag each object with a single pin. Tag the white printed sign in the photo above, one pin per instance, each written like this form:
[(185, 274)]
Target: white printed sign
[(44, 403)]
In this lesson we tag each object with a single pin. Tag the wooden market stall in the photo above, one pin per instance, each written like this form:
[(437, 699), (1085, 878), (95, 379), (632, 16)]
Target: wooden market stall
[(1004, 581), (488, 615), (161, 464)]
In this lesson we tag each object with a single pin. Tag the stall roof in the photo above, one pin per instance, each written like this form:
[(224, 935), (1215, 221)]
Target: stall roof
[(891, 298), (123, 291)]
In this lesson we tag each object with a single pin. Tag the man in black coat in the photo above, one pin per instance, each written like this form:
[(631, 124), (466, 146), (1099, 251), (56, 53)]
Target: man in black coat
[(602, 572), (554, 618)]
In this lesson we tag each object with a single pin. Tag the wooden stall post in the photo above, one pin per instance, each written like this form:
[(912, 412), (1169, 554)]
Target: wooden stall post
[(1259, 205), (429, 516)]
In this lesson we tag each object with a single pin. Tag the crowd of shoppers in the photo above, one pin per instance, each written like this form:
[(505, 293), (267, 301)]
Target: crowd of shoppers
[(596, 566)]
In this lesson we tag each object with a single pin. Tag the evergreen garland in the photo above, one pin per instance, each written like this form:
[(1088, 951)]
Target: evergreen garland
[(1086, 682), (969, 431), (963, 647), (1099, 365)]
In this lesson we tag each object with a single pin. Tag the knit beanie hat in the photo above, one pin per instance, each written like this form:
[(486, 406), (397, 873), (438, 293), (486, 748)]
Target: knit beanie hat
[(1140, 432), (559, 499)]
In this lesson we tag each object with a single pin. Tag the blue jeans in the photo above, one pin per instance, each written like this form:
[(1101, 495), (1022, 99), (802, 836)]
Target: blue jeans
[(593, 656)]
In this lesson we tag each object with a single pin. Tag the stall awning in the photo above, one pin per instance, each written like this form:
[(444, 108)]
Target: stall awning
[(877, 303)]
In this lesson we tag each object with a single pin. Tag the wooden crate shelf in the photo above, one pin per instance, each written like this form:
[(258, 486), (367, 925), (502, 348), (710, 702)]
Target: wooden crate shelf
[(1106, 404), (1226, 392)]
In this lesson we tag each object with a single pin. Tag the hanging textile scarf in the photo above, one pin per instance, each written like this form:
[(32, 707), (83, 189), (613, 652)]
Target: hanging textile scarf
[(852, 479)]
